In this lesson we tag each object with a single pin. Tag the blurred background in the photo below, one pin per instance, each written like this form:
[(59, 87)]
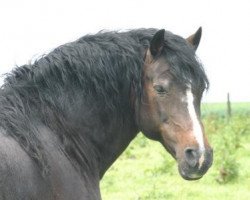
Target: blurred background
[(31, 28)]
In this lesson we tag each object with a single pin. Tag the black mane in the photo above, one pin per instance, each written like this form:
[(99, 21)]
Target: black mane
[(84, 81), (184, 64)]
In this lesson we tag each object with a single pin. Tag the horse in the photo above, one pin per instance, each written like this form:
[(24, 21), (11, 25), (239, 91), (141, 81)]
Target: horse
[(68, 115)]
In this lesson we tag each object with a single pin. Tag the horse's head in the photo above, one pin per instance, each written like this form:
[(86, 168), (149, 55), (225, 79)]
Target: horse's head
[(173, 83)]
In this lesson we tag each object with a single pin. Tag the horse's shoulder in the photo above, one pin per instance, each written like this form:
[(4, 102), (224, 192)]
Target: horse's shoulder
[(19, 175)]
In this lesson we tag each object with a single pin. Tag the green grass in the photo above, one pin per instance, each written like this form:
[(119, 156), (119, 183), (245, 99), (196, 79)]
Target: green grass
[(145, 171), (221, 108)]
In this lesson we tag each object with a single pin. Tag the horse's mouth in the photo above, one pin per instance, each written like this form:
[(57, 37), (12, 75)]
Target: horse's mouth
[(189, 177), (197, 171)]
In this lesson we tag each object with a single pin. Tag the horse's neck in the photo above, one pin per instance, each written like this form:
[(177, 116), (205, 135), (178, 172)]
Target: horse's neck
[(113, 145), (101, 136)]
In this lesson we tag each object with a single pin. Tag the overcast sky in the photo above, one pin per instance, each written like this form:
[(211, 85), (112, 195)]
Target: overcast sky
[(29, 28)]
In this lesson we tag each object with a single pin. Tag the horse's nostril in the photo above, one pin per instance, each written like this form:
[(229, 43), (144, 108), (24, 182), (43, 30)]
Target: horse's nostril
[(191, 156)]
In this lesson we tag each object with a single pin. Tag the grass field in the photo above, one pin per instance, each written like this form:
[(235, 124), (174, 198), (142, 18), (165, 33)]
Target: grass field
[(145, 171)]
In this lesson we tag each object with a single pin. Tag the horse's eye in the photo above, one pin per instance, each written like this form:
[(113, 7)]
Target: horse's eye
[(160, 89)]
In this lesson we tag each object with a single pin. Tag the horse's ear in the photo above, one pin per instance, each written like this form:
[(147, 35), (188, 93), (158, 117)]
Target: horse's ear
[(194, 39), (157, 43)]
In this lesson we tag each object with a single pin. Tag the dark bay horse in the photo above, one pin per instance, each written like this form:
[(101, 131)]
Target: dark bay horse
[(65, 118)]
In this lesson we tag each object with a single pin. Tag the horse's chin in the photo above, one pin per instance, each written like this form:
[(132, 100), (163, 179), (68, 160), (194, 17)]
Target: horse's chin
[(192, 173), (189, 176)]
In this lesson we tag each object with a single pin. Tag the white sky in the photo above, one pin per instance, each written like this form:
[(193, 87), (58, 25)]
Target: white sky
[(29, 28)]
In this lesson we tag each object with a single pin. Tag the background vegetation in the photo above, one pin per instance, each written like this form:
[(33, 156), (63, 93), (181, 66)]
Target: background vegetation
[(145, 171)]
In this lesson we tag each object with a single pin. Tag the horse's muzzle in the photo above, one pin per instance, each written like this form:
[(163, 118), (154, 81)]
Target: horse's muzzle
[(195, 163)]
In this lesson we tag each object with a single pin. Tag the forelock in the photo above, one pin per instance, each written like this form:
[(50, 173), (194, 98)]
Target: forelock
[(184, 65)]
